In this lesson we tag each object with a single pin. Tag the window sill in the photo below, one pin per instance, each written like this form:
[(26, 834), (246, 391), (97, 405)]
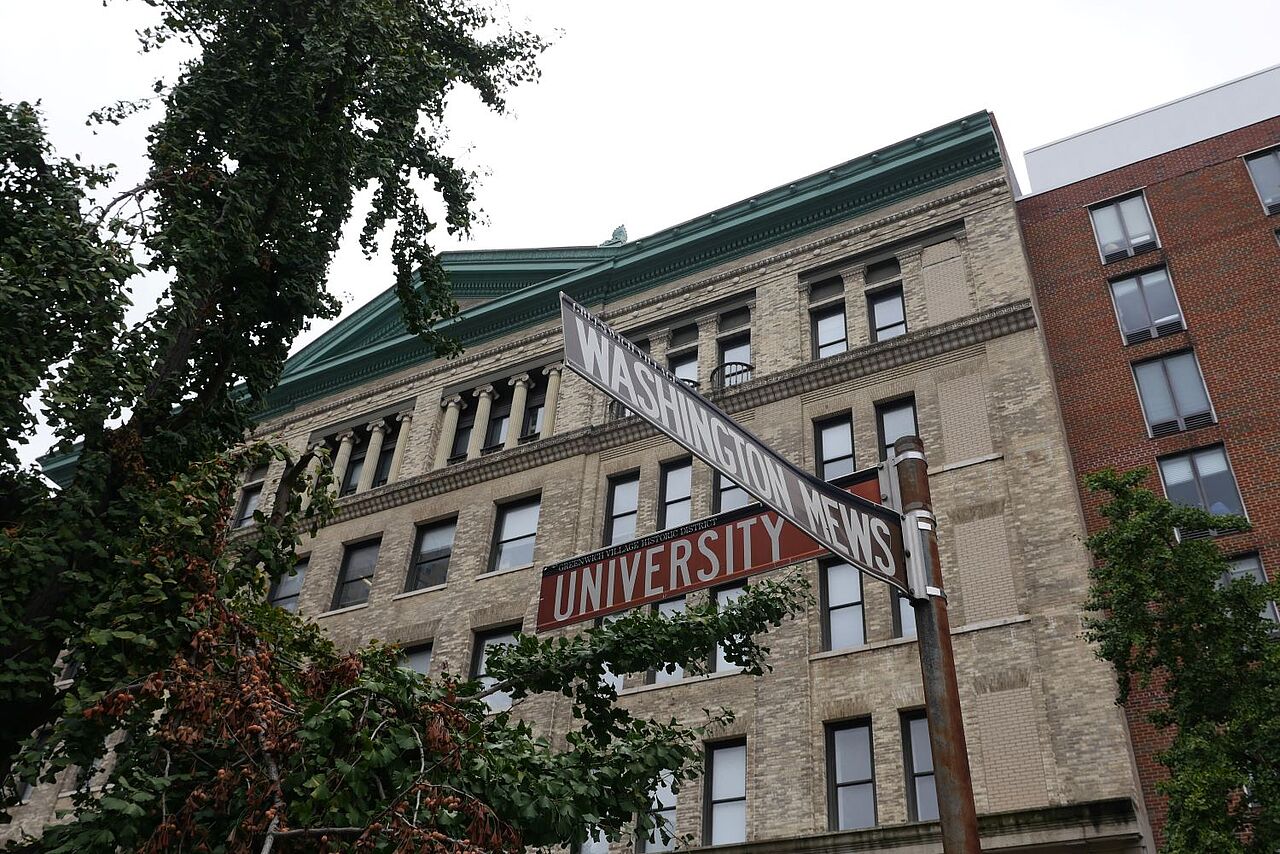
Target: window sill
[(891, 642), (688, 680), (419, 591), (345, 610), (498, 572)]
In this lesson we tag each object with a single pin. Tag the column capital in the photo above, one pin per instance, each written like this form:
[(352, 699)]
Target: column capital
[(553, 368), (520, 380), (454, 400), (404, 417), (379, 426), (486, 390), (347, 436)]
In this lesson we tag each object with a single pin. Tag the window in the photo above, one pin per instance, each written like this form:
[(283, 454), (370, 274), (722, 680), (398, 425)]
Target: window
[(1202, 479), (1172, 393), (355, 465), (1123, 228), (682, 353), (672, 672), (904, 615), (417, 658), (486, 642), (382, 466), (834, 440), (356, 577), (675, 501), (597, 843), (830, 334), (1146, 306), (462, 435), (662, 810), (623, 506), (841, 590), (726, 815), (251, 496), (728, 495), (894, 420), (431, 554), (285, 591), (735, 359), (1250, 567), (495, 433), (922, 796), (516, 531), (609, 677), (535, 405), (888, 314), (1264, 168), (725, 595), (851, 788)]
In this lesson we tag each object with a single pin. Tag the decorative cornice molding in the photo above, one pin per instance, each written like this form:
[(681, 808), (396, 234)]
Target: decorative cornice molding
[(984, 326), (864, 233)]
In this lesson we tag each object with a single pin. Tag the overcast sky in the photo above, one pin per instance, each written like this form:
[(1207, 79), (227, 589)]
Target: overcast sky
[(648, 114)]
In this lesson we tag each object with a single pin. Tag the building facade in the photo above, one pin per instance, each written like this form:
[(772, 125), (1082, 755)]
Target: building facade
[(1154, 244), (887, 295)]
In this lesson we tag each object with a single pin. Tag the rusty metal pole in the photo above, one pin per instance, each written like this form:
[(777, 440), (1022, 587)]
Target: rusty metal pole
[(956, 809)]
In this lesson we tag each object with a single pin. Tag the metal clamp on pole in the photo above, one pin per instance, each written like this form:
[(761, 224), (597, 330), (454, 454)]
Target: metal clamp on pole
[(916, 526)]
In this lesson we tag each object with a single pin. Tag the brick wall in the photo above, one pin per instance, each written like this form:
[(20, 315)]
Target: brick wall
[(1223, 259)]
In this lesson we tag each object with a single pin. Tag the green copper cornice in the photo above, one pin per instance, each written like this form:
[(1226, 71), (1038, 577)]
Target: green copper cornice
[(524, 282)]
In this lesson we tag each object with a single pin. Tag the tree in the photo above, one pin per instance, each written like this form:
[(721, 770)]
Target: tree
[(216, 722), (289, 108), (1164, 614)]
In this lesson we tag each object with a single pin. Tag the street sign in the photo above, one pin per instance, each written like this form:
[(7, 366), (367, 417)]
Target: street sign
[(864, 534), (670, 563)]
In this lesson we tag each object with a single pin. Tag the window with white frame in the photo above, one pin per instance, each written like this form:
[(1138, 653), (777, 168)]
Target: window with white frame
[(1173, 394), (723, 596), (1123, 228), (486, 643), (1249, 568), (670, 672), (1264, 169), (843, 623), (1146, 306), (515, 534), (1202, 479), (726, 815)]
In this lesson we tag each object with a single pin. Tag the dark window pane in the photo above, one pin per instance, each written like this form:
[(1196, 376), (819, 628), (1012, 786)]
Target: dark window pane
[(432, 553), (1122, 227), (1219, 485), (1250, 569), (1265, 171), (248, 504), (285, 592), (896, 420), (356, 578), (517, 532), (829, 332), (888, 315), (624, 498)]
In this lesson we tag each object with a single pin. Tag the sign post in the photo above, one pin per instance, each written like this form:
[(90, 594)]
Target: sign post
[(897, 545)]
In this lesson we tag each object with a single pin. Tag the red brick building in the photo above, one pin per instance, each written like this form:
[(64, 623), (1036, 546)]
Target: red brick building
[(1154, 244)]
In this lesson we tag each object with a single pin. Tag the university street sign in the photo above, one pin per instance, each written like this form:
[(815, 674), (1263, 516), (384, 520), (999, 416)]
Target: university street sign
[(856, 530), (679, 560)]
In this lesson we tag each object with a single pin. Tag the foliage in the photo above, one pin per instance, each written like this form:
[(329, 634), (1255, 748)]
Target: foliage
[(237, 727), (1165, 619), (289, 108)]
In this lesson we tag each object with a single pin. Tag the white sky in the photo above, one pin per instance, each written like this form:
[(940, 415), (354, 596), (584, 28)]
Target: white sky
[(648, 114)]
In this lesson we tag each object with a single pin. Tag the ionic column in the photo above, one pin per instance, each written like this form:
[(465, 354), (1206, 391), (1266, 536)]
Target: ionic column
[(377, 432), (402, 441), (519, 398), (484, 405), (448, 428), (346, 441), (553, 396), (309, 477)]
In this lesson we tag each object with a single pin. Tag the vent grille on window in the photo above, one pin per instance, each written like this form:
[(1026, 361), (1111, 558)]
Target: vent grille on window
[(1273, 207), (1144, 247), (1202, 419), (1138, 335), (1196, 535), (1169, 328), (1115, 256), (1165, 428)]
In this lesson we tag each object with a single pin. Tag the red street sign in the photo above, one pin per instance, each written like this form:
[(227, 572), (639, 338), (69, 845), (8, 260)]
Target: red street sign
[(704, 553)]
